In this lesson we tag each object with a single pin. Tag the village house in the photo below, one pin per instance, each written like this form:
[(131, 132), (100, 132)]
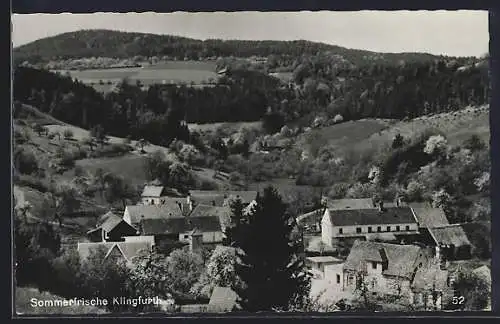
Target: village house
[(406, 271), (135, 213), (111, 228), (207, 220), (386, 223), (156, 195), (451, 242), (114, 251)]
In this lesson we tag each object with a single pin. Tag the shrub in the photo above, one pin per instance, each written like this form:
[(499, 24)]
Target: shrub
[(68, 134), (25, 162)]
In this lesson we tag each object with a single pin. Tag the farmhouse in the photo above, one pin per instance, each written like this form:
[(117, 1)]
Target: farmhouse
[(393, 269), (207, 220), (112, 228), (114, 251), (451, 242), (134, 214), (383, 223), (156, 195)]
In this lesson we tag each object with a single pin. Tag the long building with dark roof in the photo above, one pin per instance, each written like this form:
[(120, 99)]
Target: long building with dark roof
[(382, 222)]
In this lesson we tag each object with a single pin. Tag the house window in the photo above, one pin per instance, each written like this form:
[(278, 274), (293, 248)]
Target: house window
[(398, 228), (388, 228), (374, 265), (341, 231), (379, 229), (369, 229), (358, 229), (186, 236), (407, 227), (338, 278)]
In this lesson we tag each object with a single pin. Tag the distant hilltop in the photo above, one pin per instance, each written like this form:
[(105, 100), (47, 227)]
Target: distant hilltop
[(127, 45)]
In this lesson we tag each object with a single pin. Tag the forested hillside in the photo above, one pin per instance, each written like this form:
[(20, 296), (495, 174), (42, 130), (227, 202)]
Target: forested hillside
[(109, 43)]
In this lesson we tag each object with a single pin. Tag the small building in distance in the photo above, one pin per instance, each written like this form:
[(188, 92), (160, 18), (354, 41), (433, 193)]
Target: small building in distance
[(319, 263), (451, 242), (156, 195)]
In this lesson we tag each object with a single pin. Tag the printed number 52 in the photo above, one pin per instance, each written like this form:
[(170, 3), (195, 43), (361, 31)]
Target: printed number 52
[(458, 300)]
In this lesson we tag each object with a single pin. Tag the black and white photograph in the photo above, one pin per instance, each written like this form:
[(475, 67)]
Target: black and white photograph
[(242, 162)]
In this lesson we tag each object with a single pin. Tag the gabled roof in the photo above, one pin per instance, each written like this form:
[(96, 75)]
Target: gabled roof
[(111, 222), (153, 212), (401, 259), (127, 249), (152, 191), (223, 299), (390, 215), (428, 216), (450, 235), (104, 217)]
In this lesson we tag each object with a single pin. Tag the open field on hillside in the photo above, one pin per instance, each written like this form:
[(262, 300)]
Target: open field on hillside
[(224, 127), (344, 134), (457, 126), (169, 72), (130, 166), (24, 306)]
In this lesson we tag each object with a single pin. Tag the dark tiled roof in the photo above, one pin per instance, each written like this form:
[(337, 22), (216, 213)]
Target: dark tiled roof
[(428, 216), (152, 191), (180, 225), (450, 235), (222, 213), (223, 299), (163, 226), (390, 215), (153, 212), (401, 258)]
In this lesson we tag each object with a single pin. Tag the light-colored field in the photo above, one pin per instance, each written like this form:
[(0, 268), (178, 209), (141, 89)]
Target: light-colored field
[(130, 166), (26, 296), (168, 72), (457, 126), (226, 127)]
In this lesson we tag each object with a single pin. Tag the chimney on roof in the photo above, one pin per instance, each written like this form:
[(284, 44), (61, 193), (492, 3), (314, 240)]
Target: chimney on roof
[(381, 205)]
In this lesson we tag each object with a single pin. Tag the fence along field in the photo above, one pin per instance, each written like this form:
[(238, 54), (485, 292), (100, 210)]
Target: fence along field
[(187, 72)]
